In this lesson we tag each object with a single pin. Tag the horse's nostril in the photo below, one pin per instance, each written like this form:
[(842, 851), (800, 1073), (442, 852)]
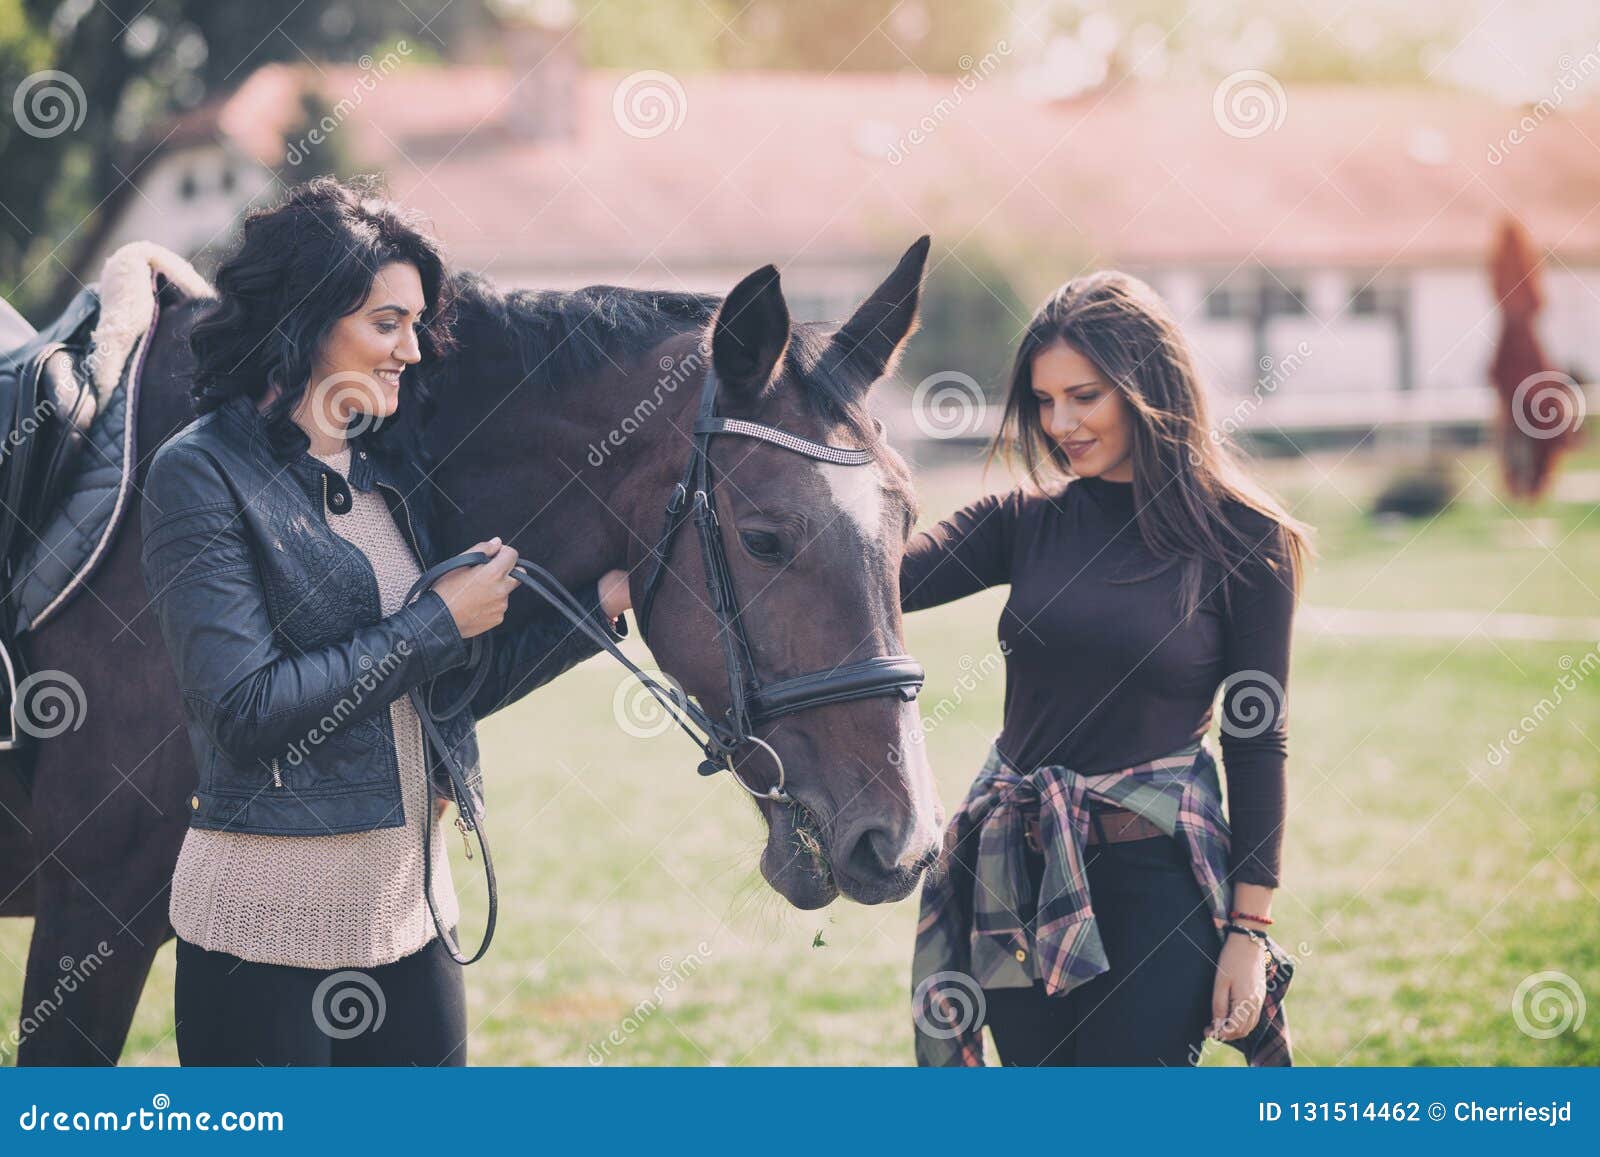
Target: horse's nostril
[(873, 854)]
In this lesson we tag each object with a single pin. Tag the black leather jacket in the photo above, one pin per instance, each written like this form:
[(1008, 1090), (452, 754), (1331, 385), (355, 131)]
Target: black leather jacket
[(286, 664)]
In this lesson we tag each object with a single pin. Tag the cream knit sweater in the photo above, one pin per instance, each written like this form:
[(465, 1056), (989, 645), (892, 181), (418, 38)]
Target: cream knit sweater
[(351, 900)]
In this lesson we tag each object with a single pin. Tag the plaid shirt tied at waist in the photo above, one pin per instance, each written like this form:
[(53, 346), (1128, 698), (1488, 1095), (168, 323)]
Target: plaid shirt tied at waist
[(970, 936)]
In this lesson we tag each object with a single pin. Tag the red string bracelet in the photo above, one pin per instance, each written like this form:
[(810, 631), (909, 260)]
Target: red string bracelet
[(1236, 915)]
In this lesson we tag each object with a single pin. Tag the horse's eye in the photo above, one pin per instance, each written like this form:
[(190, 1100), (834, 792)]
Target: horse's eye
[(763, 544)]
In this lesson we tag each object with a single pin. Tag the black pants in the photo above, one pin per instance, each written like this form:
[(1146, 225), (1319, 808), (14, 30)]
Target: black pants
[(238, 1012), (1153, 1004)]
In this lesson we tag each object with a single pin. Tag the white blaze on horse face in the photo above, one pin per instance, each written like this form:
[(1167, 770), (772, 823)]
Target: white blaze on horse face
[(919, 781), (858, 493)]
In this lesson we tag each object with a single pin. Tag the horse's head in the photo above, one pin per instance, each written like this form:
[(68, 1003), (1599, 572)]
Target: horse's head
[(813, 551), (562, 424)]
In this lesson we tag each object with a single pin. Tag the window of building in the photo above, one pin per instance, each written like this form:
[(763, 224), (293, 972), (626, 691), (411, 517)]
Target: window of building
[(1368, 299), (1226, 301), (1284, 296)]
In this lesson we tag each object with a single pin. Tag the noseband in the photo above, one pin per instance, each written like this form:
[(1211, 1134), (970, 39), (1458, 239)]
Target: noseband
[(751, 703)]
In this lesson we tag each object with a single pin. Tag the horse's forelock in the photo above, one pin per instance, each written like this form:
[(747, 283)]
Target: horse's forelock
[(831, 392)]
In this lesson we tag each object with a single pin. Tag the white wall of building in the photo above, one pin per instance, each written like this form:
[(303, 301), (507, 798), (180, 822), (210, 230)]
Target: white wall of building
[(192, 199), (189, 200), (1454, 324), (1570, 325)]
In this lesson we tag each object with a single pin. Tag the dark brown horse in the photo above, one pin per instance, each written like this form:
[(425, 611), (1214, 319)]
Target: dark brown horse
[(562, 427)]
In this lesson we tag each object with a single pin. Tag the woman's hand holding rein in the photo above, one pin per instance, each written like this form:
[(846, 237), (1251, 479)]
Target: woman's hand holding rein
[(477, 595)]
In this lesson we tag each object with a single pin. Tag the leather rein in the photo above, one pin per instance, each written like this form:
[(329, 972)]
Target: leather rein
[(751, 702)]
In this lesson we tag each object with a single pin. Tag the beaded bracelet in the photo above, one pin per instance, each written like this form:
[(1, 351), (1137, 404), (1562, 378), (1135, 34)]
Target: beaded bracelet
[(1250, 916)]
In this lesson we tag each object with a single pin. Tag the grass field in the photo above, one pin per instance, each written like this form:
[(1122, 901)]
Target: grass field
[(1422, 883)]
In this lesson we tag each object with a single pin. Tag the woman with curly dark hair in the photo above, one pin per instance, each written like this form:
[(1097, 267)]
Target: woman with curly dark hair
[(1094, 907), (282, 530)]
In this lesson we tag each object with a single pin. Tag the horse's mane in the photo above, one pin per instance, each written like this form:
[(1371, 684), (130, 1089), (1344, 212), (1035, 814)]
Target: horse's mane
[(576, 335), (566, 336)]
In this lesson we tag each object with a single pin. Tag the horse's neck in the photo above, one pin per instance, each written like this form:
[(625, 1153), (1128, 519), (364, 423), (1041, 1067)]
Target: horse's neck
[(592, 471), (619, 455)]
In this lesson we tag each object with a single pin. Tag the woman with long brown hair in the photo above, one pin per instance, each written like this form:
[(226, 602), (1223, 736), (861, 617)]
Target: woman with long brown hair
[(1095, 906)]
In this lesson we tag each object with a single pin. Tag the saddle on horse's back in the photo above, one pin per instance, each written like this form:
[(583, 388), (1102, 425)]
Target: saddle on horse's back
[(68, 404), (47, 405)]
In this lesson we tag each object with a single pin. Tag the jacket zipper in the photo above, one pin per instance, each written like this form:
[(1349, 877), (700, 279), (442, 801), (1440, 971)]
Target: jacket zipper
[(277, 779), (411, 530), (429, 765)]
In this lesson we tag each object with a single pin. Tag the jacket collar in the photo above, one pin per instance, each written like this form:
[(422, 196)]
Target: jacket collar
[(367, 469)]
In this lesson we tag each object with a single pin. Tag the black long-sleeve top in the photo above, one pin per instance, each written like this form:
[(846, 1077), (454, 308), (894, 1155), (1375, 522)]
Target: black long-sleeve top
[(1102, 675)]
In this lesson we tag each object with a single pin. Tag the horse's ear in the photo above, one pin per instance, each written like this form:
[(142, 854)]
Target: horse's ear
[(869, 344), (749, 334)]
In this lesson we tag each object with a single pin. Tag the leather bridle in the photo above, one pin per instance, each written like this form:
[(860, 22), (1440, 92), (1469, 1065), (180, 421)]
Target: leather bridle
[(751, 703)]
